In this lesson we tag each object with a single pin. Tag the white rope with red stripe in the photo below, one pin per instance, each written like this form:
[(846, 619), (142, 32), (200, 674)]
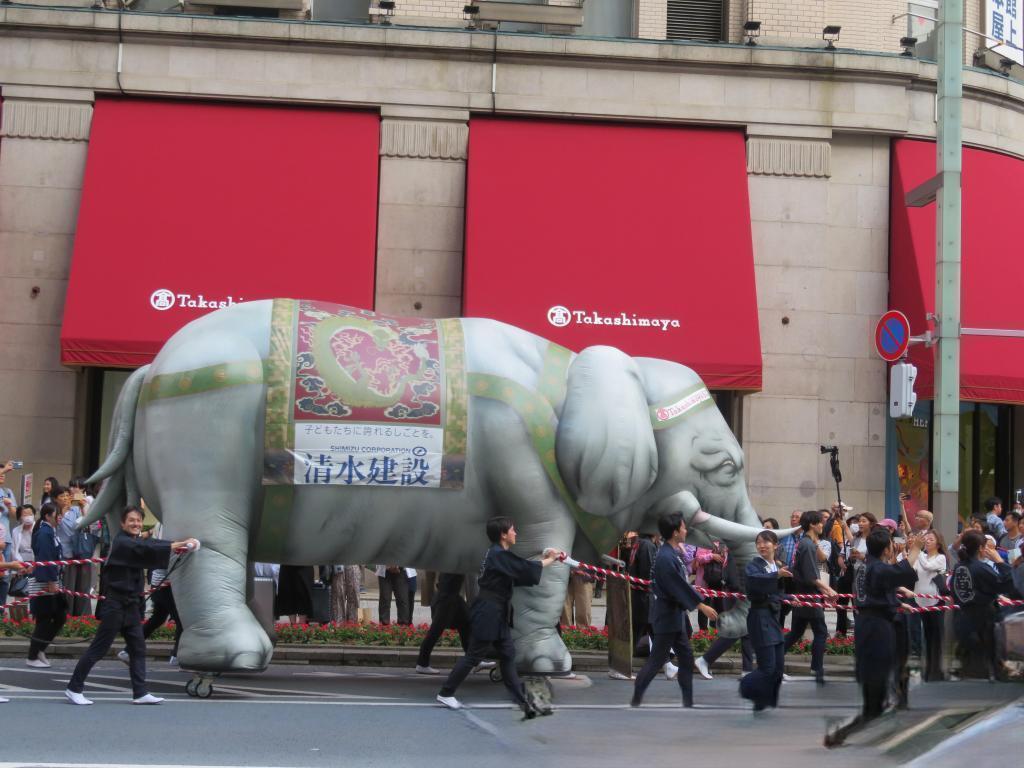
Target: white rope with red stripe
[(797, 600)]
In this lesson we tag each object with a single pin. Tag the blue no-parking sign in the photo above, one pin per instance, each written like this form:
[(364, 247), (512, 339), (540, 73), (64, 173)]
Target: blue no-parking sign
[(892, 335)]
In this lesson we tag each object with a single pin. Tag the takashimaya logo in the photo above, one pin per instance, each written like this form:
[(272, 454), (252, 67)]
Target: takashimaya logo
[(560, 317), (163, 299)]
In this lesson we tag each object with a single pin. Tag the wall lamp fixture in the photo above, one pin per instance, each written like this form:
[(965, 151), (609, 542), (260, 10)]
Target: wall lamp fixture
[(830, 34), (752, 29)]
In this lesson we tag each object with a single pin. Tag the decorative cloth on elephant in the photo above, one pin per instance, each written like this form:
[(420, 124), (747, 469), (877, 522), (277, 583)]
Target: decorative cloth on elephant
[(357, 398)]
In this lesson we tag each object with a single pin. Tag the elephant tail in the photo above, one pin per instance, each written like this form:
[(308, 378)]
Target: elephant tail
[(120, 487)]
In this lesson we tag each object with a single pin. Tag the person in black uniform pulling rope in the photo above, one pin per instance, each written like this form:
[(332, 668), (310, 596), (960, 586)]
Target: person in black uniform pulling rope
[(875, 595), (490, 616), (121, 584), (672, 596)]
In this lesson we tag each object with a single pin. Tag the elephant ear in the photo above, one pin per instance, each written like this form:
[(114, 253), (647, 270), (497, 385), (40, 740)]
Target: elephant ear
[(605, 445)]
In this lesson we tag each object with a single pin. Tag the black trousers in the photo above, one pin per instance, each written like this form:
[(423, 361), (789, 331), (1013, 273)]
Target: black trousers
[(820, 630), (877, 654), (715, 602), (661, 646), (478, 649), (444, 619), (116, 617), (397, 583), (722, 644), (932, 626), (163, 609), (762, 685), (50, 613)]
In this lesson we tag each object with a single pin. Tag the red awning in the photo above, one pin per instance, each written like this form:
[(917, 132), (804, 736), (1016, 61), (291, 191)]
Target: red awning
[(992, 269), (188, 205), (633, 236)]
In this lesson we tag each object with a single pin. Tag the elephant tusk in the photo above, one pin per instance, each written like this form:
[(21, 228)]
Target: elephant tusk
[(727, 531)]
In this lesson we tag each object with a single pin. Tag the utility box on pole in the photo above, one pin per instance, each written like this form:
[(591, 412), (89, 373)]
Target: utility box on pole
[(902, 397)]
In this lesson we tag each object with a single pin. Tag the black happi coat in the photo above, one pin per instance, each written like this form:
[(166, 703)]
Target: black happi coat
[(765, 593), (491, 613), (875, 597), (123, 577), (672, 594)]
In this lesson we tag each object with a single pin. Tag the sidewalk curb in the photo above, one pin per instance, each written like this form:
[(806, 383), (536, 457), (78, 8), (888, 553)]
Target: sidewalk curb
[(405, 656)]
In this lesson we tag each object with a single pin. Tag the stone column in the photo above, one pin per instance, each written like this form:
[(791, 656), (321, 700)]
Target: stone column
[(421, 211), (819, 216), (43, 143)]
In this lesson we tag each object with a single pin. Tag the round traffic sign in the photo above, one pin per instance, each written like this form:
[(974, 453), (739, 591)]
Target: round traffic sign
[(892, 335)]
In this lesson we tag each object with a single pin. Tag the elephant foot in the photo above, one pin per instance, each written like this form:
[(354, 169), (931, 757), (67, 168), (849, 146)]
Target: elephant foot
[(229, 640), (542, 652), (732, 623)]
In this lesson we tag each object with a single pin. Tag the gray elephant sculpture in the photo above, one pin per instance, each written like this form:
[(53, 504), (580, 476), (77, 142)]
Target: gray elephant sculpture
[(576, 448)]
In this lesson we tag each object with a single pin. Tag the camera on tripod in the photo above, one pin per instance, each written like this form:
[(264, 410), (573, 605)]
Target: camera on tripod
[(830, 449)]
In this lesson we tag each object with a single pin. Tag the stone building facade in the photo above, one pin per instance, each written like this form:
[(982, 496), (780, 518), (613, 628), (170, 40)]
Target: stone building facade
[(818, 129)]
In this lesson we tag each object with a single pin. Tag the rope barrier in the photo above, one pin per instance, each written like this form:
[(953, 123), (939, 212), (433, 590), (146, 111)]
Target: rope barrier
[(825, 602)]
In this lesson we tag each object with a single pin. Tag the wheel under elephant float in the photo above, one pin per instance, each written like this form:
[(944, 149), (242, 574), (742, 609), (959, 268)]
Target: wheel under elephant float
[(304, 432)]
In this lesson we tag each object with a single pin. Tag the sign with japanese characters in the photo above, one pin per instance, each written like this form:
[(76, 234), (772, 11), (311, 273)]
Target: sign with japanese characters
[(361, 399), (1003, 22)]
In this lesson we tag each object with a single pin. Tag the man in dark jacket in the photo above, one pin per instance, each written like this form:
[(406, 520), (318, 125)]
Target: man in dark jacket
[(490, 616), (672, 595), (641, 563), (807, 580), (121, 584), (448, 611)]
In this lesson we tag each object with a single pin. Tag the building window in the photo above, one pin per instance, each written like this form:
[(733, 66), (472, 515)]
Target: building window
[(919, 25), (702, 20)]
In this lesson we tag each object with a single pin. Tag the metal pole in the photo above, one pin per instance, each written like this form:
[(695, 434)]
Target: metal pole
[(946, 420), (949, 151)]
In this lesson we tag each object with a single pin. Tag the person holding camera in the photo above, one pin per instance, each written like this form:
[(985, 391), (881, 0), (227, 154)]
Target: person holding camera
[(931, 580)]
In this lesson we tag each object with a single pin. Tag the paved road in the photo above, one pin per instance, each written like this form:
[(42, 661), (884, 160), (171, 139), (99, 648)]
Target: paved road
[(302, 715)]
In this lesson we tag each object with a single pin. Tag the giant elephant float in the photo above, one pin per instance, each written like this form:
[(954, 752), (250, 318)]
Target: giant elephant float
[(303, 432)]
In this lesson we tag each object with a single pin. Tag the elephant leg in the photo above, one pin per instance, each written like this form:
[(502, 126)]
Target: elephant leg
[(221, 634), (539, 647), (202, 472), (733, 622)]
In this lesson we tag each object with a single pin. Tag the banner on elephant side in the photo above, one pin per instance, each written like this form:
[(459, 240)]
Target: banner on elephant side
[(360, 399)]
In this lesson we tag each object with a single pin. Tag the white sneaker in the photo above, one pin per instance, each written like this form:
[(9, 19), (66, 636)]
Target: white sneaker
[(3, 700), (173, 661), (427, 670), (123, 656), (149, 698), (786, 678), (77, 698), (42, 657), (449, 701), (39, 663), (671, 670), (485, 665), (702, 667)]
